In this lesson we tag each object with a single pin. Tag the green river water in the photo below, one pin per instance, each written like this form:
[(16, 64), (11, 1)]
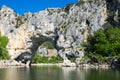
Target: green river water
[(58, 73)]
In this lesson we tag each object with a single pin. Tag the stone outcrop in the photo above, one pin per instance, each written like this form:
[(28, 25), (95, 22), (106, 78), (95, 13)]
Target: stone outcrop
[(113, 8), (65, 28)]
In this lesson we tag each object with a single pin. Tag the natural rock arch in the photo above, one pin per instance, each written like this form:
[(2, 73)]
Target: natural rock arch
[(65, 29), (36, 40)]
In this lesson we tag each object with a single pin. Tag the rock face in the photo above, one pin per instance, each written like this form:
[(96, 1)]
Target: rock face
[(65, 28), (113, 7)]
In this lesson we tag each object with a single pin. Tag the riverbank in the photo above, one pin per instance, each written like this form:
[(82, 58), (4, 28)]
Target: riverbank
[(9, 63), (105, 66), (47, 64)]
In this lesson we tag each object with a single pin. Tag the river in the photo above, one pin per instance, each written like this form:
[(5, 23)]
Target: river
[(57, 73)]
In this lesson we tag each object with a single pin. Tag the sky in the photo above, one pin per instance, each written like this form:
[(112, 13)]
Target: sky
[(22, 6)]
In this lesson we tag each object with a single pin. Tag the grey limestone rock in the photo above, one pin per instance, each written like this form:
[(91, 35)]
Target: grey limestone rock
[(65, 28)]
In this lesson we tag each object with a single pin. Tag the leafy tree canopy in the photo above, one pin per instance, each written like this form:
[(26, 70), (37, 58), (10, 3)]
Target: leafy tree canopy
[(3, 51), (105, 43)]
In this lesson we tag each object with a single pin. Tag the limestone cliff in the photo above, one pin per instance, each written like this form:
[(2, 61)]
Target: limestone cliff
[(65, 28)]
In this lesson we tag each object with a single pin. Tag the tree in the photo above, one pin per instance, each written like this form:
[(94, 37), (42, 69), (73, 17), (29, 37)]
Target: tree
[(113, 36), (99, 43), (104, 43), (3, 51)]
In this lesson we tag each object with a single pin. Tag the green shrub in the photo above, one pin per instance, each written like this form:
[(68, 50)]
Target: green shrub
[(104, 44), (72, 59), (96, 58), (55, 59), (48, 45), (84, 44), (85, 58), (3, 51), (107, 26), (19, 22), (42, 59), (67, 8), (38, 59)]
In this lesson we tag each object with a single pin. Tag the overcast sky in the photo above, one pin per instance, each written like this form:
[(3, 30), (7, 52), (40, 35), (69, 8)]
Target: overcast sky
[(22, 6)]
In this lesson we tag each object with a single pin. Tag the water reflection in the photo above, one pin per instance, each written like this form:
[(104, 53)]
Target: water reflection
[(67, 72), (14, 74), (46, 73), (58, 73), (72, 73), (10, 73)]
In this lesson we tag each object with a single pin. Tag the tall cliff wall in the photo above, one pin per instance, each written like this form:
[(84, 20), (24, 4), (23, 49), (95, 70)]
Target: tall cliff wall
[(65, 28)]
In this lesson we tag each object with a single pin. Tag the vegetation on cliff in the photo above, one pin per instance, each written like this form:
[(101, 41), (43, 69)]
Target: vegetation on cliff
[(43, 59), (3, 51), (103, 44), (48, 45)]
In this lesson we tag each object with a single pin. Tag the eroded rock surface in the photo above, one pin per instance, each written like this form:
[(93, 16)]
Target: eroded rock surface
[(65, 28)]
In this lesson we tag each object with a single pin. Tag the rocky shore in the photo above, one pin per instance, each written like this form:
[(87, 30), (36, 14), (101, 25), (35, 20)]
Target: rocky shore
[(11, 63), (104, 66)]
